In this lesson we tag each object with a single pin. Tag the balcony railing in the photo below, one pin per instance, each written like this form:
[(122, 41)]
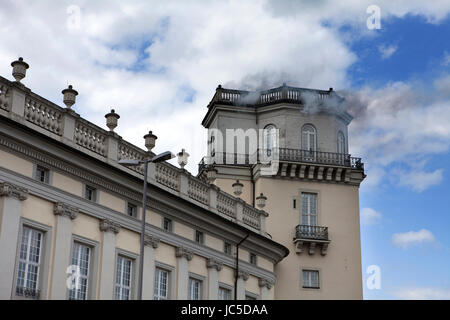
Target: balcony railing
[(283, 154), (306, 232)]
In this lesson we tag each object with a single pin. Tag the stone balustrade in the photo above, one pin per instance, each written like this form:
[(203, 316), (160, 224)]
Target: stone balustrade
[(18, 103)]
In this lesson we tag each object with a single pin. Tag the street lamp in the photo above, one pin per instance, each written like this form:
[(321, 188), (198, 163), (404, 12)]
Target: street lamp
[(131, 163)]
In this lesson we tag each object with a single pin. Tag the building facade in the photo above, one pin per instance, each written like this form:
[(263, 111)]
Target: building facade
[(290, 146), (70, 215)]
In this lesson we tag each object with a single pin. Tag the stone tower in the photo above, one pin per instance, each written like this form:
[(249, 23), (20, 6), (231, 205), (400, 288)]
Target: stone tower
[(290, 146)]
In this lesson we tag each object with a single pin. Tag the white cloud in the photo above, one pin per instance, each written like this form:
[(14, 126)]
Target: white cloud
[(193, 46), (422, 294), (369, 216), (407, 239), (387, 51), (419, 180)]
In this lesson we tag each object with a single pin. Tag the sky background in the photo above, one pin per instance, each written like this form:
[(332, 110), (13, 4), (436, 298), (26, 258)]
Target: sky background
[(158, 64)]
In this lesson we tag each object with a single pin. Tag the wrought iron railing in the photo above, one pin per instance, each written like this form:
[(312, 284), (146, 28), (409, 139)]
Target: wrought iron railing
[(311, 232), (283, 154)]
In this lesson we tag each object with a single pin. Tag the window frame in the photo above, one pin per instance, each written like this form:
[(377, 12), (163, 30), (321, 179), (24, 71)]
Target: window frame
[(201, 280), (48, 176), (341, 134), (93, 264), (136, 209), (269, 136), (202, 237), (252, 255), (303, 130), (170, 224), (44, 259), (251, 295), (171, 281), (307, 269), (95, 192), (225, 243), (225, 286), (133, 279)]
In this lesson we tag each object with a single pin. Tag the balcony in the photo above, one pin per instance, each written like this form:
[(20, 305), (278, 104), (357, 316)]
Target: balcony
[(312, 236), (284, 154)]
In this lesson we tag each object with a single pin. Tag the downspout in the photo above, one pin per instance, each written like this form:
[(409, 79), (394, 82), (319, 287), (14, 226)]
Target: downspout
[(236, 273)]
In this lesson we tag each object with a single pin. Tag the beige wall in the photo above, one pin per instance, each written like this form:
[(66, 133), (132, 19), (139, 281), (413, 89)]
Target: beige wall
[(214, 242), (226, 275), (227, 186), (14, 163), (67, 184), (183, 230), (39, 210), (108, 200), (128, 240), (340, 269), (87, 227)]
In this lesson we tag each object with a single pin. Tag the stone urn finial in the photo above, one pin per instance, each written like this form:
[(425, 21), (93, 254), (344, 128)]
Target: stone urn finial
[(19, 69), (111, 120), (69, 96), (261, 201), (237, 188), (182, 158), (150, 140)]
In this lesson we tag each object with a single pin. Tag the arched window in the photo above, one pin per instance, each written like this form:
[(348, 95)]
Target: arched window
[(309, 138), (341, 143), (270, 139)]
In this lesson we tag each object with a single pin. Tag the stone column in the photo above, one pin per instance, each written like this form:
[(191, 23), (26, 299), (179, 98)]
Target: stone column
[(265, 285), (240, 289), (214, 267), (183, 257), (63, 242), (108, 263), (151, 243), (11, 211)]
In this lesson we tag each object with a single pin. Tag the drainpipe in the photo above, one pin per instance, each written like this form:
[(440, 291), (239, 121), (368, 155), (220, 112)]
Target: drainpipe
[(237, 265)]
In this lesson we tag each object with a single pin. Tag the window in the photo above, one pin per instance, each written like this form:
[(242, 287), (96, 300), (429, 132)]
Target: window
[(195, 289), (167, 224), (123, 278), (42, 174), (294, 203), (341, 142), (81, 255), (90, 193), (251, 296), (253, 258), (310, 279), (29, 263), (227, 248), (161, 291), (309, 138), (199, 237), (224, 294), (309, 209), (131, 210), (269, 139)]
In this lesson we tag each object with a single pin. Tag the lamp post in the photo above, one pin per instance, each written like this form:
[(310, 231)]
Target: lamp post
[(131, 163)]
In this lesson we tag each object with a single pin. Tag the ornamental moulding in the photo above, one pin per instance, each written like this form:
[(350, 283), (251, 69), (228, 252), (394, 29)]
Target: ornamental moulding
[(65, 210), (107, 225), (8, 189), (183, 252)]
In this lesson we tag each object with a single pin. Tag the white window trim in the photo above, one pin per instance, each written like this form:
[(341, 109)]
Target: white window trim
[(133, 278), (93, 264), (318, 206), (319, 276), (171, 281), (44, 258), (226, 287), (201, 280)]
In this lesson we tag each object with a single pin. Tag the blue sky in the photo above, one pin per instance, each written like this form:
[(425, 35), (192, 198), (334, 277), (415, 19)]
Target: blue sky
[(420, 50), (158, 65)]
